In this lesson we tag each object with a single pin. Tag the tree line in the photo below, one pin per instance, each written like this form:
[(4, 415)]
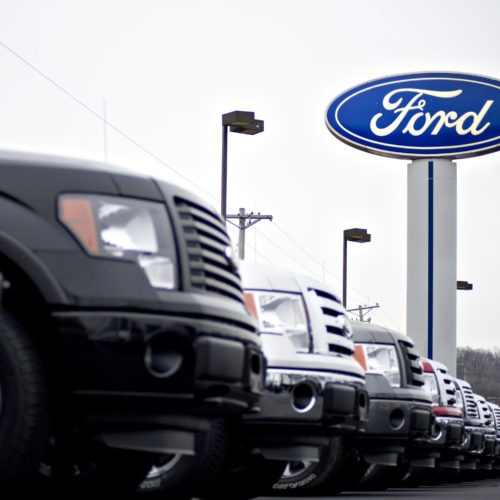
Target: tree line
[(481, 368)]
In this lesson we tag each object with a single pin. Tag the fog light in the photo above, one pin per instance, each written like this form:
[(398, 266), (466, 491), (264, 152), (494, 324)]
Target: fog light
[(303, 397), (397, 419), (161, 358), (437, 431)]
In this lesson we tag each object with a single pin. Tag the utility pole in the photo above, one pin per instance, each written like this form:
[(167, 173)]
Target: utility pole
[(360, 311), (245, 221)]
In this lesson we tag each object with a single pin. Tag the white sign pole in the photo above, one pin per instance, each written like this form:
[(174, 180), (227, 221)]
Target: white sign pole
[(432, 259)]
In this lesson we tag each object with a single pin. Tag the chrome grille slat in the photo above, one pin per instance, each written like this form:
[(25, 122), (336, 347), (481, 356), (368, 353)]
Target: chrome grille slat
[(450, 389), (207, 241), (496, 415), (446, 383), (471, 408), (334, 322), (210, 245), (214, 258), (414, 371), (202, 220), (484, 410)]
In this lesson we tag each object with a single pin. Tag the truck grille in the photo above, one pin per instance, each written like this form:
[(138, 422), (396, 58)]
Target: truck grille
[(413, 365), (208, 247), (496, 416), (484, 410), (471, 409), (450, 394), (335, 322)]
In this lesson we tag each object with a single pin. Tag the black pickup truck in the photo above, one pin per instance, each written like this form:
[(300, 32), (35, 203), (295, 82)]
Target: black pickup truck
[(123, 329), (401, 421)]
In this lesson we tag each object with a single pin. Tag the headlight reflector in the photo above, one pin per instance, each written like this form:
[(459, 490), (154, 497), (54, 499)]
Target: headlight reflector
[(430, 384), (281, 313), (123, 228), (380, 358)]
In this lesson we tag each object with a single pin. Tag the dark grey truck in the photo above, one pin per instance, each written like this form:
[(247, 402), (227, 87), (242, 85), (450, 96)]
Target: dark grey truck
[(123, 329), (399, 430)]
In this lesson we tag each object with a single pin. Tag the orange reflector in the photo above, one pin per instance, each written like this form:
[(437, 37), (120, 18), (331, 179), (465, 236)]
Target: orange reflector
[(250, 304), (360, 356), (78, 215)]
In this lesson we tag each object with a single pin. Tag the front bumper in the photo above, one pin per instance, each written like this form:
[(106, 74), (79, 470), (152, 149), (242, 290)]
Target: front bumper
[(472, 447), (448, 432), (488, 456), (394, 426), (297, 418), (443, 446), (123, 367)]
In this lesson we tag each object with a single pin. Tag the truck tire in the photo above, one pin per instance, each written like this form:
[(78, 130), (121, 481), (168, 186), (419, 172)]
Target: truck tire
[(24, 407), (182, 476), (381, 477), (310, 478)]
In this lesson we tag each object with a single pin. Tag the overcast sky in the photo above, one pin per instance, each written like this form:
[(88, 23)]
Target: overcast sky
[(163, 72)]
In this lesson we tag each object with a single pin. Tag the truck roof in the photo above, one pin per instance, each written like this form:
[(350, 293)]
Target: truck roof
[(364, 331), (20, 158), (260, 276)]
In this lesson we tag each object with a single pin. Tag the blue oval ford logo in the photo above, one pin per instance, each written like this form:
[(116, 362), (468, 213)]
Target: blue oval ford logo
[(417, 115)]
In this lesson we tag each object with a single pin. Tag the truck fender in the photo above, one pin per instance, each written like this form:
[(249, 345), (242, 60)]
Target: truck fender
[(33, 267)]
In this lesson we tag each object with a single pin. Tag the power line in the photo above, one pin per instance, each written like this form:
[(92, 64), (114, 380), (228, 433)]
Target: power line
[(105, 121), (316, 261), (286, 253)]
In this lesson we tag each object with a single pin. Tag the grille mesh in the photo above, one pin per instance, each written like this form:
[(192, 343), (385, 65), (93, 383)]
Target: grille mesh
[(207, 244)]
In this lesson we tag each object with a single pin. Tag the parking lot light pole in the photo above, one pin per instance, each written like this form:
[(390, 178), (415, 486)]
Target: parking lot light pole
[(241, 122), (359, 236)]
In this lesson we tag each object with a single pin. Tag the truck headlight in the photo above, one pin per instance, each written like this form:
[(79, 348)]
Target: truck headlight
[(123, 228), (430, 384), (281, 313), (379, 358)]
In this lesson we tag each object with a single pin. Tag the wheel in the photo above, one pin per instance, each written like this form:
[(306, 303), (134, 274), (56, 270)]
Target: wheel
[(24, 407), (380, 477), (351, 471), (182, 476), (414, 477), (312, 478), (243, 477)]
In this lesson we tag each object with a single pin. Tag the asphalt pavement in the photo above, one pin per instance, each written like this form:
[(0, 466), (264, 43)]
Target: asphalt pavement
[(484, 489)]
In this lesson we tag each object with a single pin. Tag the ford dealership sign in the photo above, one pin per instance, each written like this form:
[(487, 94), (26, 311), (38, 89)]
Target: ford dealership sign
[(420, 115)]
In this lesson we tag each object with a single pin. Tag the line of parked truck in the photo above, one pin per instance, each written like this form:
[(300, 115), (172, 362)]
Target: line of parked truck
[(138, 357)]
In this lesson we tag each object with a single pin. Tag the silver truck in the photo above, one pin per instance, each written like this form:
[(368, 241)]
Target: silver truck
[(314, 394), (314, 386), (448, 434), (475, 433)]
